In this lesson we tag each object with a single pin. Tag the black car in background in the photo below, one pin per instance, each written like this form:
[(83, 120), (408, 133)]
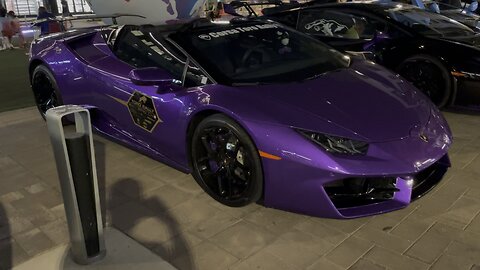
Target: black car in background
[(437, 54), (462, 13)]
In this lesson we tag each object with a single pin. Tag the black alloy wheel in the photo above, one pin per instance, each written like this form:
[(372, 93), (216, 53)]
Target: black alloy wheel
[(45, 90), (226, 163), (429, 76)]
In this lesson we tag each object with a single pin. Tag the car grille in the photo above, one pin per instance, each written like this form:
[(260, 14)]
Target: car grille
[(358, 191), (361, 191), (427, 179)]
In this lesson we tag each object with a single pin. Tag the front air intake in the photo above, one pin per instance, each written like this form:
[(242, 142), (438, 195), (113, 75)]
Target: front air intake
[(427, 179), (360, 191)]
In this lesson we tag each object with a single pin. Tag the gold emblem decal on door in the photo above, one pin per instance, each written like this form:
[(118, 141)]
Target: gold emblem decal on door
[(142, 110)]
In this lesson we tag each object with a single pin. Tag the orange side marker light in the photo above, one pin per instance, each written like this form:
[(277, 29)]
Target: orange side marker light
[(269, 156)]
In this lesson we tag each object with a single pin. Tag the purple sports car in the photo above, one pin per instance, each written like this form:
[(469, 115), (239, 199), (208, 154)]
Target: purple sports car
[(256, 111)]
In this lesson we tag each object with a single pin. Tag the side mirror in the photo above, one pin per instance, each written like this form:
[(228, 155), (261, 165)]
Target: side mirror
[(150, 76)]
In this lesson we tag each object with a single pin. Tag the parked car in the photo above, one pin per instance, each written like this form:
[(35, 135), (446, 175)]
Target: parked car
[(254, 110), (461, 13), (438, 55)]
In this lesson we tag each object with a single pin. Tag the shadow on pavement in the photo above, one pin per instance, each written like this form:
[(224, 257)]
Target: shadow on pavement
[(5, 245), (178, 247)]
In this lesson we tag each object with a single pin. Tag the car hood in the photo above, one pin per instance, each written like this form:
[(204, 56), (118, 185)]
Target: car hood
[(364, 101)]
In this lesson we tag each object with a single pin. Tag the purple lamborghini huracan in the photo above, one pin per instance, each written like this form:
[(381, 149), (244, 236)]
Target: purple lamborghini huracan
[(256, 111)]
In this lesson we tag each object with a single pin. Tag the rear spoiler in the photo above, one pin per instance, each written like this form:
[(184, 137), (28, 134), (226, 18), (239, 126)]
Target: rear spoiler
[(114, 18), (234, 5), (277, 6)]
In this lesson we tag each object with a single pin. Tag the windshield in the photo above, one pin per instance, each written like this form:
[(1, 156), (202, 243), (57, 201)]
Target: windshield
[(444, 6), (258, 52), (428, 23)]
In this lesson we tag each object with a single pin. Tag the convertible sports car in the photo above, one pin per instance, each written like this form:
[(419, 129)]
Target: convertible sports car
[(254, 110), (439, 55)]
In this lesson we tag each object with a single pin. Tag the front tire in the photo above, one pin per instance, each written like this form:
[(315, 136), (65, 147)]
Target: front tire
[(430, 76), (225, 162), (45, 90)]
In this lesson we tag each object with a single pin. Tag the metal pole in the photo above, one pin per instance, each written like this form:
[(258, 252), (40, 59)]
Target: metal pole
[(16, 5), (28, 6), (74, 6)]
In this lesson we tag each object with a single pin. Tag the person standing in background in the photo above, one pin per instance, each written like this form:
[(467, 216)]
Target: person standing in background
[(43, 14), (66, 12), (2, 38), (15, 23), (6, 30)]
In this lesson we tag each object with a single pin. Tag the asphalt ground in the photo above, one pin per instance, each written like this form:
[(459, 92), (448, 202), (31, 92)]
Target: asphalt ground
[(15, 92)]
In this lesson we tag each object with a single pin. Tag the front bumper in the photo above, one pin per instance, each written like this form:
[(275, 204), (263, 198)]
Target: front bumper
[(300, 179), (354, 197), (323, 196)]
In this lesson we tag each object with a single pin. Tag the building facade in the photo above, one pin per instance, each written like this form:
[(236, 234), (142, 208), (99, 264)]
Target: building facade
[(30, 7)]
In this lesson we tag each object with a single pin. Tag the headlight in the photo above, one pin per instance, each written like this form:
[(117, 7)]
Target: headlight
[(337, 145)]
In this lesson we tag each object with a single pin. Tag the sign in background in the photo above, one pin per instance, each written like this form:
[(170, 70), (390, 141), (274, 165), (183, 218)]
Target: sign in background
[(156, 11)]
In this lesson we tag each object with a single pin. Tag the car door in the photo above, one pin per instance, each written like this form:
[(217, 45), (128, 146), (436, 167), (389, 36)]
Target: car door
[(148, 114), (344, 30)]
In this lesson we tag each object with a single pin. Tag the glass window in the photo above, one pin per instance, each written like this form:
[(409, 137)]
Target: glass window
[(258, 53), (450, 4), (30, 7), (140, 49), (289, 18), (195, 76), (338, 24), (23, 7), (428, 23), (74, 6)]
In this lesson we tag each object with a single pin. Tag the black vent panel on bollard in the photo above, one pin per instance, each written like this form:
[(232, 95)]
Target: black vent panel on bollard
[(80, 164)]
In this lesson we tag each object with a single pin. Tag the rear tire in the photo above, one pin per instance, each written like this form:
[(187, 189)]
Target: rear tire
[(430, 76), (45, 90), (225, 161)]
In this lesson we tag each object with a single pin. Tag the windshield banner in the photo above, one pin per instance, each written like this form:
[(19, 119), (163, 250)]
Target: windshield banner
[(236, 30)]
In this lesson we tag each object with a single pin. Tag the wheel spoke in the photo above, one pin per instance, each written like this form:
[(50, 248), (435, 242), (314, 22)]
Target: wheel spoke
[(211, 153), (230, 183), (220, 186), (222, 182), (240, 165), (240, 180), (208, 173)]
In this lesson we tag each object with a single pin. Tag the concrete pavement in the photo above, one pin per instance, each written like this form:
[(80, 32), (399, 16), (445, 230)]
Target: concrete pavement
[(166, 212)]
